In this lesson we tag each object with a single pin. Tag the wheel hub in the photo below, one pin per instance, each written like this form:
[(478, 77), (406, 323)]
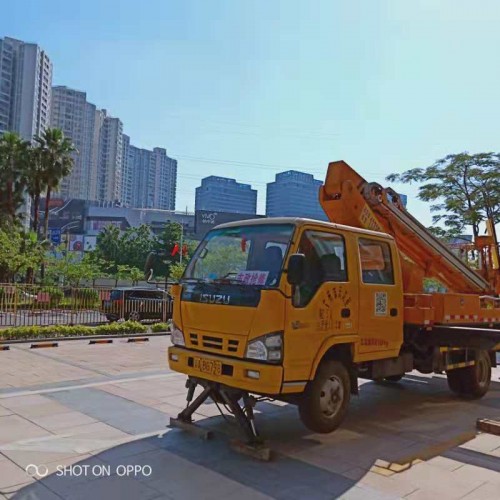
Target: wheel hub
[(331, 396)]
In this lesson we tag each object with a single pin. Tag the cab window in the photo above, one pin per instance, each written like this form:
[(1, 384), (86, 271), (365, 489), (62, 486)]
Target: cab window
[(325, 260), (376, 262)]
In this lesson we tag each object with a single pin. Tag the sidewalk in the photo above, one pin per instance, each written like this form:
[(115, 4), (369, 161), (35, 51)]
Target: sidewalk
[(83, 414)]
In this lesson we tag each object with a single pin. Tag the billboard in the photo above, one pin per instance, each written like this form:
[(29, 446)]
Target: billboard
[(89, 243), (204, 220)]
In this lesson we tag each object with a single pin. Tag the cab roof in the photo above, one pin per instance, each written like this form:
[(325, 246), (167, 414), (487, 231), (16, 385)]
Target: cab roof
[(300, 221)]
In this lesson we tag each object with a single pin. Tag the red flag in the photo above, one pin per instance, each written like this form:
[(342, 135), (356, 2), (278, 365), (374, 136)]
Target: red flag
[(175, 250)]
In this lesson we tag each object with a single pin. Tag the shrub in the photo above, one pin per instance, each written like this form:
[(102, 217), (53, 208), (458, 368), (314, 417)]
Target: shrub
[(56, 331), (160, 327)]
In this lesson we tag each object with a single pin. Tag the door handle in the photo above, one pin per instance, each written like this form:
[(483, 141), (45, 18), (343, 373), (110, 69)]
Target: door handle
[(393, 312)]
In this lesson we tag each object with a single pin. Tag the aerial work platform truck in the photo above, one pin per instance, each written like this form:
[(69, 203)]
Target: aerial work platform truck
[(297, 310)]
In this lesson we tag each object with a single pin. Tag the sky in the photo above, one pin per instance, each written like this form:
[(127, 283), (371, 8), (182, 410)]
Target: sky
[(249, 88)]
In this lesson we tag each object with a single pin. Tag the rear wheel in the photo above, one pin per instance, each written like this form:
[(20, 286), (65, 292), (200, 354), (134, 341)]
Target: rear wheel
[(324, 403), (472, 382)]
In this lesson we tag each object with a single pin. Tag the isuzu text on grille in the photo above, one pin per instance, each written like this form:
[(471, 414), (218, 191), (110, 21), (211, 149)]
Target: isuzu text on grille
[(209, 298)]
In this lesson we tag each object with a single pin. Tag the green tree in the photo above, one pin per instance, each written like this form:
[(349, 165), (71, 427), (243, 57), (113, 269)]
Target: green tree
[(129, 248), (164, 246), (464, 188), (13, 161), (108, 248), (177, 270), (35, 183), (70, 268), (56, 160), (19, 251)]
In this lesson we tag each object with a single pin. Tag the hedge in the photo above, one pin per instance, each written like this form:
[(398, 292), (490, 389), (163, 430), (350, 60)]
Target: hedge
[(160, 327), (40, 332)]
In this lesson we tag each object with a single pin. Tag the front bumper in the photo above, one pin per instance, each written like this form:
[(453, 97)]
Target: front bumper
[(234, 371)]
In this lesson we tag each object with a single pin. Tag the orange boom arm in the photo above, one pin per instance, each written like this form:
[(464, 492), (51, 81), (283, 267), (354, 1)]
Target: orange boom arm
[(349, 199)]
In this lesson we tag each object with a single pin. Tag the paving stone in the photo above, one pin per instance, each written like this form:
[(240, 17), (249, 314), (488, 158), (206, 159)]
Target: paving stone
[(12, 475), (5, 411), (444, 484), (14, 428), (472, 473), (445, 463), (33, 491), (58, 421), (487, 491), (25, 457), (123, 488)]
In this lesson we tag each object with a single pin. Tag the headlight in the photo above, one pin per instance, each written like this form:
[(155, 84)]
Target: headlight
[(266, 348), (177, 337)]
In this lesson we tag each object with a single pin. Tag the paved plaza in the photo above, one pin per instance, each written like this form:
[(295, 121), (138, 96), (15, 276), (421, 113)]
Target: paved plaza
[(89, 421)]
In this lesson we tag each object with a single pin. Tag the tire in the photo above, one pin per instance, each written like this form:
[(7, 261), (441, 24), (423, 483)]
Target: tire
[(111, 318), (393, 378), (324, 403), (455, 381), (472, 382), (134, 316)]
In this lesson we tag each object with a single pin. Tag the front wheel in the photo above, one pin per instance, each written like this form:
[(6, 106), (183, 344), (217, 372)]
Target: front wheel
[(324, 403)]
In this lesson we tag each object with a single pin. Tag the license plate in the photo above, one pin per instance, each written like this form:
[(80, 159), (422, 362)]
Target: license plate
[(208, 366)]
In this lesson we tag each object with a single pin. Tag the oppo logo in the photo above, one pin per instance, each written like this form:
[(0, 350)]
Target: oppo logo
[(215, 298)]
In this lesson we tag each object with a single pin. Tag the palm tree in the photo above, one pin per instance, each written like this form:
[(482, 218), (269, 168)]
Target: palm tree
[(56, 163), (13, 161), (35, 183)]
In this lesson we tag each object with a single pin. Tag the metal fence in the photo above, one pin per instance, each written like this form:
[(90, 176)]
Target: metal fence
[(28, 305)]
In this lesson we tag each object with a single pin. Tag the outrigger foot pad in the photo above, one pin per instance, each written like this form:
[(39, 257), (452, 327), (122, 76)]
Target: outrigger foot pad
[(177, 423), (255, 450)]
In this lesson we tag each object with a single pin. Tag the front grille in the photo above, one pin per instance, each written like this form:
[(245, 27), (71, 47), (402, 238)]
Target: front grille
[(213, 342), (216, 344)]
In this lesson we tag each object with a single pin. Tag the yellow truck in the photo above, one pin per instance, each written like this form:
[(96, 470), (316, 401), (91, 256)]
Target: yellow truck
[(296, 310)]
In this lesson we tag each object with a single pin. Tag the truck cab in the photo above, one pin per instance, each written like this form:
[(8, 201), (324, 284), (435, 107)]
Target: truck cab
[(289, 308)]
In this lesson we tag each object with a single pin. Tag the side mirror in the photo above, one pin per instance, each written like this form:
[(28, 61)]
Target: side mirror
[(296, 267)]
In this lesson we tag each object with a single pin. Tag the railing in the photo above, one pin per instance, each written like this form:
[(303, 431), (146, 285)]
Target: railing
[(28, 305)]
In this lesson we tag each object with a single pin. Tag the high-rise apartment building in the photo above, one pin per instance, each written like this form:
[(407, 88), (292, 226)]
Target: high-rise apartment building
[(109, 175), (25, 88), (127, 172), (225, 195), (150, 178), (78, 119), (165, 179), (294, 194)]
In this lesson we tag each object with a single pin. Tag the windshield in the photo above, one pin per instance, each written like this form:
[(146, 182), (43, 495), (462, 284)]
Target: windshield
[(249, 255)]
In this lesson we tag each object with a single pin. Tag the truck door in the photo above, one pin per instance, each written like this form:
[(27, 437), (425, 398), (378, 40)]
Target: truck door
[(380, 297), (324, 305)]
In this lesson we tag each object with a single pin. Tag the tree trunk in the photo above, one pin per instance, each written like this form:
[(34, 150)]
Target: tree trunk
[(36, 217), (46, 226), (46, 221), (10, 200)]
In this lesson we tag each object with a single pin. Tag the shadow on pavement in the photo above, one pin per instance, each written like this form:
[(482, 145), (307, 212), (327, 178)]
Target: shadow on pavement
[(390, 422)]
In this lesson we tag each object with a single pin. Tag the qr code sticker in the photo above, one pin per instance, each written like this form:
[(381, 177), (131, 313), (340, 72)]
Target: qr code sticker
[(380, 303)]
